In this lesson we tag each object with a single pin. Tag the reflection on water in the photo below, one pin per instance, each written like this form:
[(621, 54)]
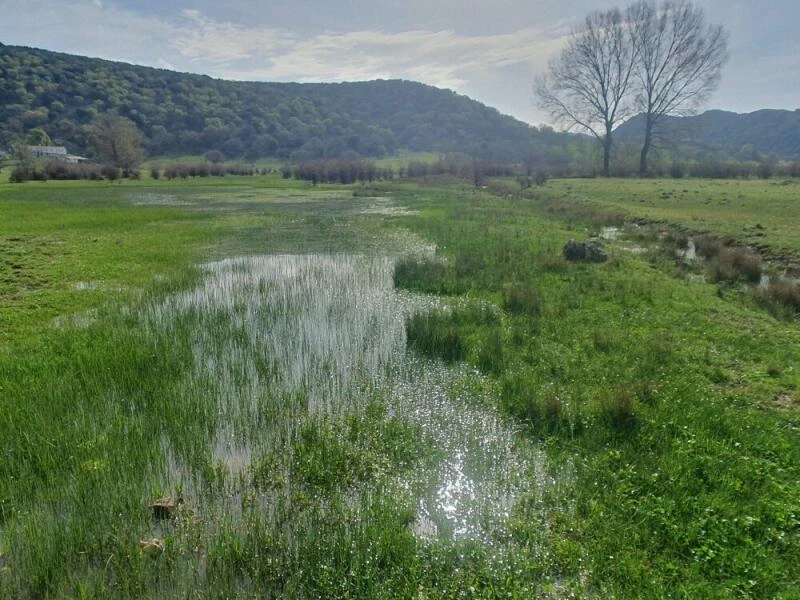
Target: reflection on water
[(278, 340), (484, 467)]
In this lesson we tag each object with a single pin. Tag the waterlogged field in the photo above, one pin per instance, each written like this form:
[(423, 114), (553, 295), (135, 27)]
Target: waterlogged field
[(256, 388)]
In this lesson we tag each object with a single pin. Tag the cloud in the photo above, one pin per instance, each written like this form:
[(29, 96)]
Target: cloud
[(442, 58), (190, 40), (202, 40), (441, 42)]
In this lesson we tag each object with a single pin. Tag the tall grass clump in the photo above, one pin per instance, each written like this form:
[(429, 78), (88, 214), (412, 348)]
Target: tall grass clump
[(429, 276), (522, 298), (492, 353), (435, 334), (541, 407), (708, 246), (618, 409)]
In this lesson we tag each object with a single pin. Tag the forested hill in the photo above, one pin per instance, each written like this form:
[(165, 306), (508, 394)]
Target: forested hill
[(745, 136), (189, 114)]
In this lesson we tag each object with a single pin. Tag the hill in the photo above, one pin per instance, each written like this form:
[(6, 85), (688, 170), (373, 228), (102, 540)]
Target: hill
[(182, 113), (745, 136)]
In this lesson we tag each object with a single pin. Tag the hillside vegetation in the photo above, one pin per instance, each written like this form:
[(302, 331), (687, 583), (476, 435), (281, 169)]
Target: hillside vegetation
[(180, 113), (744, 136)]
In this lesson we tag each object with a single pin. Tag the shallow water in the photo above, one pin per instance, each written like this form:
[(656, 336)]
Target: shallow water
[(316, 336), (485, 465)]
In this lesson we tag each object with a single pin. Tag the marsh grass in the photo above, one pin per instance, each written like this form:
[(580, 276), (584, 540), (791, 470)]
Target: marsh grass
[(436, 334), (424, 275), (521, 298)]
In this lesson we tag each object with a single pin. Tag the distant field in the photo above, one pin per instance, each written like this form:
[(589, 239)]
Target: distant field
[(401, 160), (756, 212), (255, 387)]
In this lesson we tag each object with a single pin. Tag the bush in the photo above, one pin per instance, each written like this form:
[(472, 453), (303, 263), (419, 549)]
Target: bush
[(782, 297), (709, 246), (731, 264), (109, 172), (677, 170), (61, 171)]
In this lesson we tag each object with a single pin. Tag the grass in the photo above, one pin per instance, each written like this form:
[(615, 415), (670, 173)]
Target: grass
[(751, 211), (666, 411), (652, 387)]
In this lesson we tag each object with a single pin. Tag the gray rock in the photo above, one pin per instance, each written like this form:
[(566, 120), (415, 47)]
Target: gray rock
[(591, 251)]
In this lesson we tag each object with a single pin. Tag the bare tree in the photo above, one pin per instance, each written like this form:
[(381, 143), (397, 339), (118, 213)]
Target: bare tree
[(586, 86), (118, 141), (679, 61)]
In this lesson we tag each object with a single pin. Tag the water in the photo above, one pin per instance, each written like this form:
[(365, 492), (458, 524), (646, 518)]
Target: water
[(610, 233), (312, 337), (690, 252), (485, 465)]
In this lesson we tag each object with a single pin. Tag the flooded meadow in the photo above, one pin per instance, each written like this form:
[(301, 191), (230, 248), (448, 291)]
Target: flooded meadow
[(274, 390), (294, 354)]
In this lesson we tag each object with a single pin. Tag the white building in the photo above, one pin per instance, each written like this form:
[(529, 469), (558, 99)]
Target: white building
[(57, 152)]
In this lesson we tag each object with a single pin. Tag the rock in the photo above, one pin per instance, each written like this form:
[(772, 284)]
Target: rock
[(591, 251), (166, 507), (153, 547)]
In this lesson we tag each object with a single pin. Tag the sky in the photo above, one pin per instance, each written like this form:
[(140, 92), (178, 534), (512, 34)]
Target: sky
[(489, 50)]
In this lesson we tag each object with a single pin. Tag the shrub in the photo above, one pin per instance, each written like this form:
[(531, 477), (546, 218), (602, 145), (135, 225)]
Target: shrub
[(109, 172), (677, 170), (782, 298), (708, 245), (731, 264)]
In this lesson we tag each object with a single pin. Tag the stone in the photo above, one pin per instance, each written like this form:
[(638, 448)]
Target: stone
[(591, 251), (153, 547)]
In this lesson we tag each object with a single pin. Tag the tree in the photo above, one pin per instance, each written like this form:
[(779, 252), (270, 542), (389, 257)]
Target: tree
[(117, 141), (587, 84), (679, 62), (214, 156), (37, 137)]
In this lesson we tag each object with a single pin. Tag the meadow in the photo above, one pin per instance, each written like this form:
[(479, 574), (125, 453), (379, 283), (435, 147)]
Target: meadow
[(394, 391)]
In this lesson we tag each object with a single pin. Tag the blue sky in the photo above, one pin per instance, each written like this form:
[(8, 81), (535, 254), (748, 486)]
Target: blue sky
[(490, 51)]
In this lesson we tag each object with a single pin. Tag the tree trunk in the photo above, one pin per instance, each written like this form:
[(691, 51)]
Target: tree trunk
[(607, 153), (648, 138)]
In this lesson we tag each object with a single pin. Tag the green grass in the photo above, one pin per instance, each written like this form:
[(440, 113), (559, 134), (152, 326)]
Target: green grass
[(659, 391), (666, 407), (753, 211)]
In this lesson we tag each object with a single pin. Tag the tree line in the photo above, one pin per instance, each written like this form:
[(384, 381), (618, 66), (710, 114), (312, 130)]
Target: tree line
[(649, 59)]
